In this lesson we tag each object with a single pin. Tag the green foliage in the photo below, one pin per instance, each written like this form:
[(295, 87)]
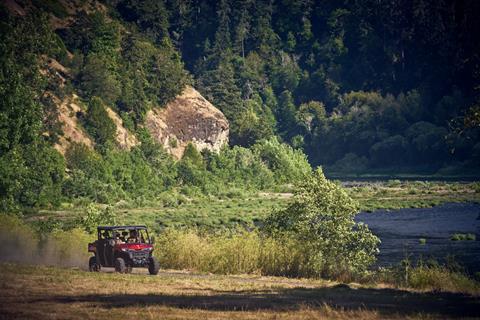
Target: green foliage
[(94, 217), (429, 275), (31, 171), (98, 123), (463, 237), (372, 89), (23, 40), (31, 176), (287, 164), (96, 80), (321, 217), (151, 16)]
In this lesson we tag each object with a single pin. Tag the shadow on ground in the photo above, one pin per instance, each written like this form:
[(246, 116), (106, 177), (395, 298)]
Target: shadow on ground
[(384, 301)]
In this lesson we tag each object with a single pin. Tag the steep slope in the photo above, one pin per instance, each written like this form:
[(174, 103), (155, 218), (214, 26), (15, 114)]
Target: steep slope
[(188, 118)]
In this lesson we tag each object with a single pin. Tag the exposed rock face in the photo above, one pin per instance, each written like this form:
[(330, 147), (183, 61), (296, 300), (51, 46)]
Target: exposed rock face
[(72, 131), (189, 118), (123, 137)]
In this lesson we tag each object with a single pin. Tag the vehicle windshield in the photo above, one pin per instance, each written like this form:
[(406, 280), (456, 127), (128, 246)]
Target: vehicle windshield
[(126, 235)]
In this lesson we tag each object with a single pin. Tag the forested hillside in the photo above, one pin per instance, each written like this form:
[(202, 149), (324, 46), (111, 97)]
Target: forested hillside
[(354, 86)]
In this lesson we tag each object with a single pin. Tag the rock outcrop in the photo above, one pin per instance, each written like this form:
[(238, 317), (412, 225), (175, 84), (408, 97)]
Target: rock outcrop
[(72, 131), (124, 138), (188, 118)]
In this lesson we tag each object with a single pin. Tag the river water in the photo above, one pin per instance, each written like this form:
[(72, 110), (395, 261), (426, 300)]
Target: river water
[(400, 231)]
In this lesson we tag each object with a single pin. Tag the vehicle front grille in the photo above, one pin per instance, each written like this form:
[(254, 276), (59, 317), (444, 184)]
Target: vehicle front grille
[(139, 257)]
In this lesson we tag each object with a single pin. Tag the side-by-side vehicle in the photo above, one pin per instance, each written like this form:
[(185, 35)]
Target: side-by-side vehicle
[(124, 248)]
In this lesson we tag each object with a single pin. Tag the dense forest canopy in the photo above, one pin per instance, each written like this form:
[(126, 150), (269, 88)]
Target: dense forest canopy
[(355, 86), (359, 84)]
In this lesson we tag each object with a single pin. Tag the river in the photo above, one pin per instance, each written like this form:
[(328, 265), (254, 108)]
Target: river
[(400, 231)]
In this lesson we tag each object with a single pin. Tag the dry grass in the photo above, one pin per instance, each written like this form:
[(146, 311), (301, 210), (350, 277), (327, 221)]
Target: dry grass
[(36, 292)]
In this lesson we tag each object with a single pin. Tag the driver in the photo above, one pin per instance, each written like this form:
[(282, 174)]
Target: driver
[(133, 236)]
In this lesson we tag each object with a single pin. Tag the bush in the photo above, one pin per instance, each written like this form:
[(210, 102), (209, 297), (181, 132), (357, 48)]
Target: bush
[(285, 257), (30, 176), (233, 254), (98, 123), (438, 278), (94, 217), (288, 165), (321, 217)]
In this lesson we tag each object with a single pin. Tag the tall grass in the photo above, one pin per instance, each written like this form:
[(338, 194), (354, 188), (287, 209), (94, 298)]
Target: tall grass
[(241, 252), (438, 278), (429, 276), (223, 254)]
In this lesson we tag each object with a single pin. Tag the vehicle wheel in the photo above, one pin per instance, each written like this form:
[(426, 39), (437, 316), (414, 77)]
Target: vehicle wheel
[(120, 265), (153, 266), (93, 266)]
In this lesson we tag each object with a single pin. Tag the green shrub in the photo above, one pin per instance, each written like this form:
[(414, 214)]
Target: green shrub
[(288, 165), (438, 278), (98, 123), (321, 217), (463, 237), (94, 217)]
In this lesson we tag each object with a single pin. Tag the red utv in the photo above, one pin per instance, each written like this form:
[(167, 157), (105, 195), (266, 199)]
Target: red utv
[(123, 247)]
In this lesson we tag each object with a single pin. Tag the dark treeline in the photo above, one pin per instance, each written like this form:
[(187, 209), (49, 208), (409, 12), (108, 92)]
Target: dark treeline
[(356, 84)]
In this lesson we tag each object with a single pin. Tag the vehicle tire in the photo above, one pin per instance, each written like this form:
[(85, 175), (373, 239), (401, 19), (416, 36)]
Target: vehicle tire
[(93, 266), (153, 266), (120, 265)]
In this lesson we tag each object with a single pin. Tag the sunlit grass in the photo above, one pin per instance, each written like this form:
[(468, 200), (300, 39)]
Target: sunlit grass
[(247, 209)]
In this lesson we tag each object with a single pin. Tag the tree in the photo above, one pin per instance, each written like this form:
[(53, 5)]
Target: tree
[(287, 164), (151, 16), (286, 115), (321, 216), (98, 123), (96, 80), (31, 171)]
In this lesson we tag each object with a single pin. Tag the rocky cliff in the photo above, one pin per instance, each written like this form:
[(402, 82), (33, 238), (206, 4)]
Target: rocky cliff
[(188, 118)]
